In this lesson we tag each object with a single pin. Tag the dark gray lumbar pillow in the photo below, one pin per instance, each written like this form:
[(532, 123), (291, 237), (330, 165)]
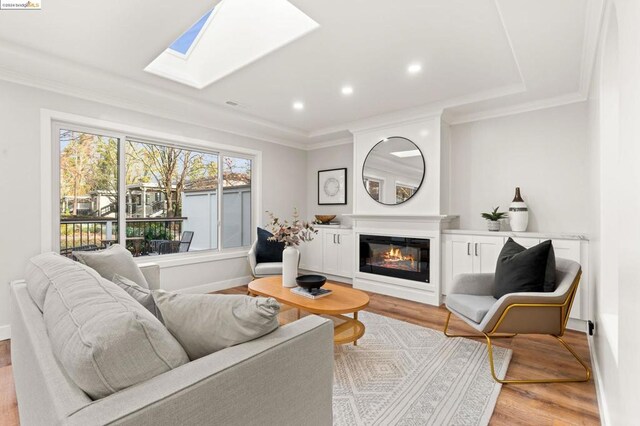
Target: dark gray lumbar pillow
[(140, 294), (114, 260), (206, 323), (524, 270)]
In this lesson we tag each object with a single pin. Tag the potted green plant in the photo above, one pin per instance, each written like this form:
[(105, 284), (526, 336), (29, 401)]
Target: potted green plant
[(494, 218)]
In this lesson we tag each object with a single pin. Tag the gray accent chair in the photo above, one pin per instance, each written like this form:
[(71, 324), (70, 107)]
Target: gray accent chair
[(265, 269), (472, 301), (264, 381)]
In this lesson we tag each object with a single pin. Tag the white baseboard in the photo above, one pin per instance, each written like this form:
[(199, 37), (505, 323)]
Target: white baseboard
[(216, 286), (401, 292), (5, 332), (578, 325), (330, 277), (605, 418)]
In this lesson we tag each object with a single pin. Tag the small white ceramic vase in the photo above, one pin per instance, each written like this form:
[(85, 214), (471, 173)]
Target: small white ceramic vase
[(518, 213), (290, 257)]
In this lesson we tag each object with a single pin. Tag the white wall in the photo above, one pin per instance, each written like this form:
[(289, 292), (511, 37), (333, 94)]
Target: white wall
[(334, 157), (20, 180), (614, 107), (543, 152)]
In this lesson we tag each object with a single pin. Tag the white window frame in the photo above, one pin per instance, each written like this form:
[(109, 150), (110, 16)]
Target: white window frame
[(50, 123)]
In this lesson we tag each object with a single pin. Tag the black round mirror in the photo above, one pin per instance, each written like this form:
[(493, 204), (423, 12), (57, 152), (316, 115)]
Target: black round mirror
[(393, 170)]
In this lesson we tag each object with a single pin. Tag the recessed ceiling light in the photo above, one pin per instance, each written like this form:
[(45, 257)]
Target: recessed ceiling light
[(298, 106), (347, 90), (414, 68), (405, 154)]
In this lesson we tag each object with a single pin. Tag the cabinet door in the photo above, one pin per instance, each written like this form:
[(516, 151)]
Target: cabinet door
[(311, 254), (330, 253), (461, 257), (526, 242), (345, 252), (570, 249), (485, 253)]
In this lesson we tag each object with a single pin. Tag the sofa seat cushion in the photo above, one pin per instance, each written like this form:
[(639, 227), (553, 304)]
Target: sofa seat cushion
[(206, 323), (102, 337), (269, 268), (114, 260), (471, 306)]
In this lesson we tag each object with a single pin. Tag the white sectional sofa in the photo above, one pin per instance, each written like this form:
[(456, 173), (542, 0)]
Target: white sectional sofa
[(282, 378)]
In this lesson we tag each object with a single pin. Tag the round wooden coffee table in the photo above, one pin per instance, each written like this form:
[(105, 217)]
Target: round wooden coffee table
[(342, 300)]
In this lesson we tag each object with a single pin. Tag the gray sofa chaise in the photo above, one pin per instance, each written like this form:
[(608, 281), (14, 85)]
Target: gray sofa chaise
[(282, 378)]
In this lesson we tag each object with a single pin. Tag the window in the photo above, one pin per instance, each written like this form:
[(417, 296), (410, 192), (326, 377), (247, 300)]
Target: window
[(153, 197), (373, 187), (404, 192)]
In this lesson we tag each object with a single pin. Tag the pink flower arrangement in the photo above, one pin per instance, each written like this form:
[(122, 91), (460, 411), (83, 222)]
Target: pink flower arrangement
[(291, 234)]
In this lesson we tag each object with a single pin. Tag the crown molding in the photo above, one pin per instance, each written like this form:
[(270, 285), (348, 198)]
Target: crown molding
[(246, 125), (566, 99), (329, 144)]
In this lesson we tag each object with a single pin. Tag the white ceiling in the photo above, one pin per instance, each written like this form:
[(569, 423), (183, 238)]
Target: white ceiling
[(478, 56)]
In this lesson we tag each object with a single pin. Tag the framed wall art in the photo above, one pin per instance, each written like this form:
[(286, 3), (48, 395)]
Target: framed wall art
[(332, 187)]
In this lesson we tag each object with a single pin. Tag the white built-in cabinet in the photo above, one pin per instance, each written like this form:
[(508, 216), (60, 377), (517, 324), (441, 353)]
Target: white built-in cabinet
[(476, 253), (331, 252)]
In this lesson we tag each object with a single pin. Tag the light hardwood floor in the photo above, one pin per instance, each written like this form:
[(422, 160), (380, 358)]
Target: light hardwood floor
[(539, 404)]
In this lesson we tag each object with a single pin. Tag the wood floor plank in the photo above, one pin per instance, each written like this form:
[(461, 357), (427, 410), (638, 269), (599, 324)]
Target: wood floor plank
[(540, 404)]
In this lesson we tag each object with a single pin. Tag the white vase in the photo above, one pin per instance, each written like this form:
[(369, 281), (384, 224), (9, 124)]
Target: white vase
[(518, 213), (290, 257)]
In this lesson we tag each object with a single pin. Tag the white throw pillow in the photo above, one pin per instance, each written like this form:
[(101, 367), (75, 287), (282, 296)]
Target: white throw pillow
[(113, 260), (104, 339), (206, 323)]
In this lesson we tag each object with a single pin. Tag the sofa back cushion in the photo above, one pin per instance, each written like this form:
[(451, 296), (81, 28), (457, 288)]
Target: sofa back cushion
[(102, 337), (44, 268), (114, 260)]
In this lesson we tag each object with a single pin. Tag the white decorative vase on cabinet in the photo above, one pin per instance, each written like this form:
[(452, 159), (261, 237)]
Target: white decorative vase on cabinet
[(290, 257), (518, 213)]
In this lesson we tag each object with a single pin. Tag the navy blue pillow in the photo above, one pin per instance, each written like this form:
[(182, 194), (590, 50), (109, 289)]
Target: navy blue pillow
[(268, 251)]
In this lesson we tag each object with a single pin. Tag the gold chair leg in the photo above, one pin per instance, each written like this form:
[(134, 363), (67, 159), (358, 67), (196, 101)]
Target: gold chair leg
[(544, 380), (446, 327)]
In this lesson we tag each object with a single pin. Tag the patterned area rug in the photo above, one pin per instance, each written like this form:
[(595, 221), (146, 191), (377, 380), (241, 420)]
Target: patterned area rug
[(404, 374)]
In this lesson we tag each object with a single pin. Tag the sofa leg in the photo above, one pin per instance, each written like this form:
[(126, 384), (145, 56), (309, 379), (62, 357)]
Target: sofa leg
[(586, 377)]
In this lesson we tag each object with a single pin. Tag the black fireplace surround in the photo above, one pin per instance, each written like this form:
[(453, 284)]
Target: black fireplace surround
[(399, 257)]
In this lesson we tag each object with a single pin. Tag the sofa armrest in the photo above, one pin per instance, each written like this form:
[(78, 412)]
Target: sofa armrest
[(474, 284), (285, 377), (151, 272)]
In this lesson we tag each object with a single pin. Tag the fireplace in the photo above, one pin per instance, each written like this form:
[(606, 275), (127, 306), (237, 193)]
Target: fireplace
[(398, 257)]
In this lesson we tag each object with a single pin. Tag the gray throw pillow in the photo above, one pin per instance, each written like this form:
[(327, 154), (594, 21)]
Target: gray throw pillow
[(140, 294), (102, 337), (206, 323), (114, 260)]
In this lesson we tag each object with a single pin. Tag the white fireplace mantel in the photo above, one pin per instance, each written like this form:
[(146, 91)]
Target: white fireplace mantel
[(403, 225)]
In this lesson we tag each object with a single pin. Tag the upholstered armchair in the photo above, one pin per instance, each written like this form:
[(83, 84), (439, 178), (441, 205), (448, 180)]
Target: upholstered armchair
[(516, 313), (265, 269)]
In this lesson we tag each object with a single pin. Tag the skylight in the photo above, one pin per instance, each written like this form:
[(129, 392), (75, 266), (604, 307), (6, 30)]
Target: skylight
[(185, 41), (229, 37)]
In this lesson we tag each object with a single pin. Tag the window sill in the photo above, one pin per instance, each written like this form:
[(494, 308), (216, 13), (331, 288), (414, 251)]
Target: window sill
[(183, 259)]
